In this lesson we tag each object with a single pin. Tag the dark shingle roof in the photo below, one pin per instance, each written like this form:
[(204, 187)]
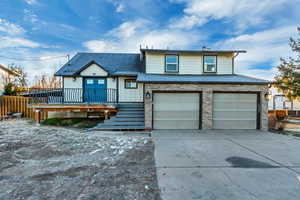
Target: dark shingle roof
[(231, 78), (111, 62)]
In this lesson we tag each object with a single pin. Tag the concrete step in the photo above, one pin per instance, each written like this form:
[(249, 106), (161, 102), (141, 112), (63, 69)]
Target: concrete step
[(129, 116), (114, 123), (130, 112), (117, 128), (125, 119), (130, 109), (130, 105)]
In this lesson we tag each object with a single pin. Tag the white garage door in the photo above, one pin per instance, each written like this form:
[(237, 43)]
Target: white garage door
[(234, 111), (176, 110)]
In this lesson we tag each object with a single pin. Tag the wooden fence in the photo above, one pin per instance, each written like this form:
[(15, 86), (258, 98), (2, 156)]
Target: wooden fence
[(18, 104)]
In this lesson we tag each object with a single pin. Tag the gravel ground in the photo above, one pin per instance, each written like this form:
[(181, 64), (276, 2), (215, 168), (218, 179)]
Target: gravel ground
[(40, 162)]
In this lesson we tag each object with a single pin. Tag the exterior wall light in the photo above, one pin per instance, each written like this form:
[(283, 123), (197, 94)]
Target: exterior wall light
[(148, 95), (74, 79), (268, 96)]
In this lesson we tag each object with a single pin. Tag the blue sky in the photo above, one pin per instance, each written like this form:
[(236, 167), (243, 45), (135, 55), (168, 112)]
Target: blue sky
[(38, 34)]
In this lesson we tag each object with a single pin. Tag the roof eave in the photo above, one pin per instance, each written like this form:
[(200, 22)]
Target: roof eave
[(192, 51), (204, 82)]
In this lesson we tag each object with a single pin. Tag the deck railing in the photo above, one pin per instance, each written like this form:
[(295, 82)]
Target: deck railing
[(72, 95)]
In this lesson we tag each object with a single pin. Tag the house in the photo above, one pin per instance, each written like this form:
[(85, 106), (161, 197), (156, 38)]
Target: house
[(278, 101), (6, 75), (178, 89)]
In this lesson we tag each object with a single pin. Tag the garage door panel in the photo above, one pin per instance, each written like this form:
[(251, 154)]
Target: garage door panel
[(234, 111), (176, 107), (175, 115), (176, 110), (234, 114), (219, 105), (234, 96), (175, 124), (234, 124)]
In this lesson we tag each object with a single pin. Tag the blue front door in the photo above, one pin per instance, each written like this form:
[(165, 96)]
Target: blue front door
[(95, 90)]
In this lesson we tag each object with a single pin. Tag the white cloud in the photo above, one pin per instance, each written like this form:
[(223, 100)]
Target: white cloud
[(262, 47), (128, 29), (242, 12), (30, 16), (187, 22), (99, 46), (130, 35), (14, 36), (6, 42), (10, 28), (31, 2), (120, 7), (16, 48)]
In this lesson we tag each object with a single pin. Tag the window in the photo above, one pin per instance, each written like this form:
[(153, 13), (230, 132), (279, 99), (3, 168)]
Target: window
[(101, 81), (89, 81), (210, 64), (171, 63), (130, 84)]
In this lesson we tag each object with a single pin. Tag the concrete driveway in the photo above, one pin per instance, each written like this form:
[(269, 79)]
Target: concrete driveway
[(227, 165)]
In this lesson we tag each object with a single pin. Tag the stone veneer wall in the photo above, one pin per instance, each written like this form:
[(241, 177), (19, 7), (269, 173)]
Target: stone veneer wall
[(207, 99)]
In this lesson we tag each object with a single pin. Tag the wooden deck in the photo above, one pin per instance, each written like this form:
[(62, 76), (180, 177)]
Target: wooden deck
[(73, 107), (38, 108)]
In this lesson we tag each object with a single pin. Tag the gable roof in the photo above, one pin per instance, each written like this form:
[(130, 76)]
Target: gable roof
[(89, 64), (209, 79), (111, 62)]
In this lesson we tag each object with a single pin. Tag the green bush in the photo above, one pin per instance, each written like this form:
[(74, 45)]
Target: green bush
[(9, 89), (76, 122), (51, 122)]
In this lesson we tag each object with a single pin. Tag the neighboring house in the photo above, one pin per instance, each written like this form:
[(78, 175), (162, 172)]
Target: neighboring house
[(180, 89), (279, 101), (6, 75)]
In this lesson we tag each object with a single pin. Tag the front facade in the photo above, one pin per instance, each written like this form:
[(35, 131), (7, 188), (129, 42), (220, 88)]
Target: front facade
[(179, 89)]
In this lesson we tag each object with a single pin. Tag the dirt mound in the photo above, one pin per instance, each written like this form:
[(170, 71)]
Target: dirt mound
[(40, 162)]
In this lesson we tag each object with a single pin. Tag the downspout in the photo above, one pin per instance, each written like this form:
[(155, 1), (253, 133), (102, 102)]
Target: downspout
[(233, 61)]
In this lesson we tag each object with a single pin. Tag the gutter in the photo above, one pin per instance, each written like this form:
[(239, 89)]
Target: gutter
[(206, 82)]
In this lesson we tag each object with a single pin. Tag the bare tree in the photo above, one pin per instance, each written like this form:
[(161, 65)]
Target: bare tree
[(44, 81)]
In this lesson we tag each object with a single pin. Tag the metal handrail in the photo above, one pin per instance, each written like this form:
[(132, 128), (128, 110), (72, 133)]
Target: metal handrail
[(71, 95)]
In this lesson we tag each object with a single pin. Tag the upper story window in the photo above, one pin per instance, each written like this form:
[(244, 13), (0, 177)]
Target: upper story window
[(130, 84), (210, 64), (171, 63)]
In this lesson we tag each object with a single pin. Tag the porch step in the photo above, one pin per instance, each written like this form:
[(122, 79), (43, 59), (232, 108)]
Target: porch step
[(130, 105), (120, 123), (130, 116), (131, 109), (117, 128), (126, 119), (130, 113)]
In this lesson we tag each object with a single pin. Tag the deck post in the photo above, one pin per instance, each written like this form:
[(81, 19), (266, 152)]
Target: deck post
[(106, 114), (37, 116)]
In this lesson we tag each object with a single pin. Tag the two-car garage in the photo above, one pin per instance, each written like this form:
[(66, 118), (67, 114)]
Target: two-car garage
[(178, 110)]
